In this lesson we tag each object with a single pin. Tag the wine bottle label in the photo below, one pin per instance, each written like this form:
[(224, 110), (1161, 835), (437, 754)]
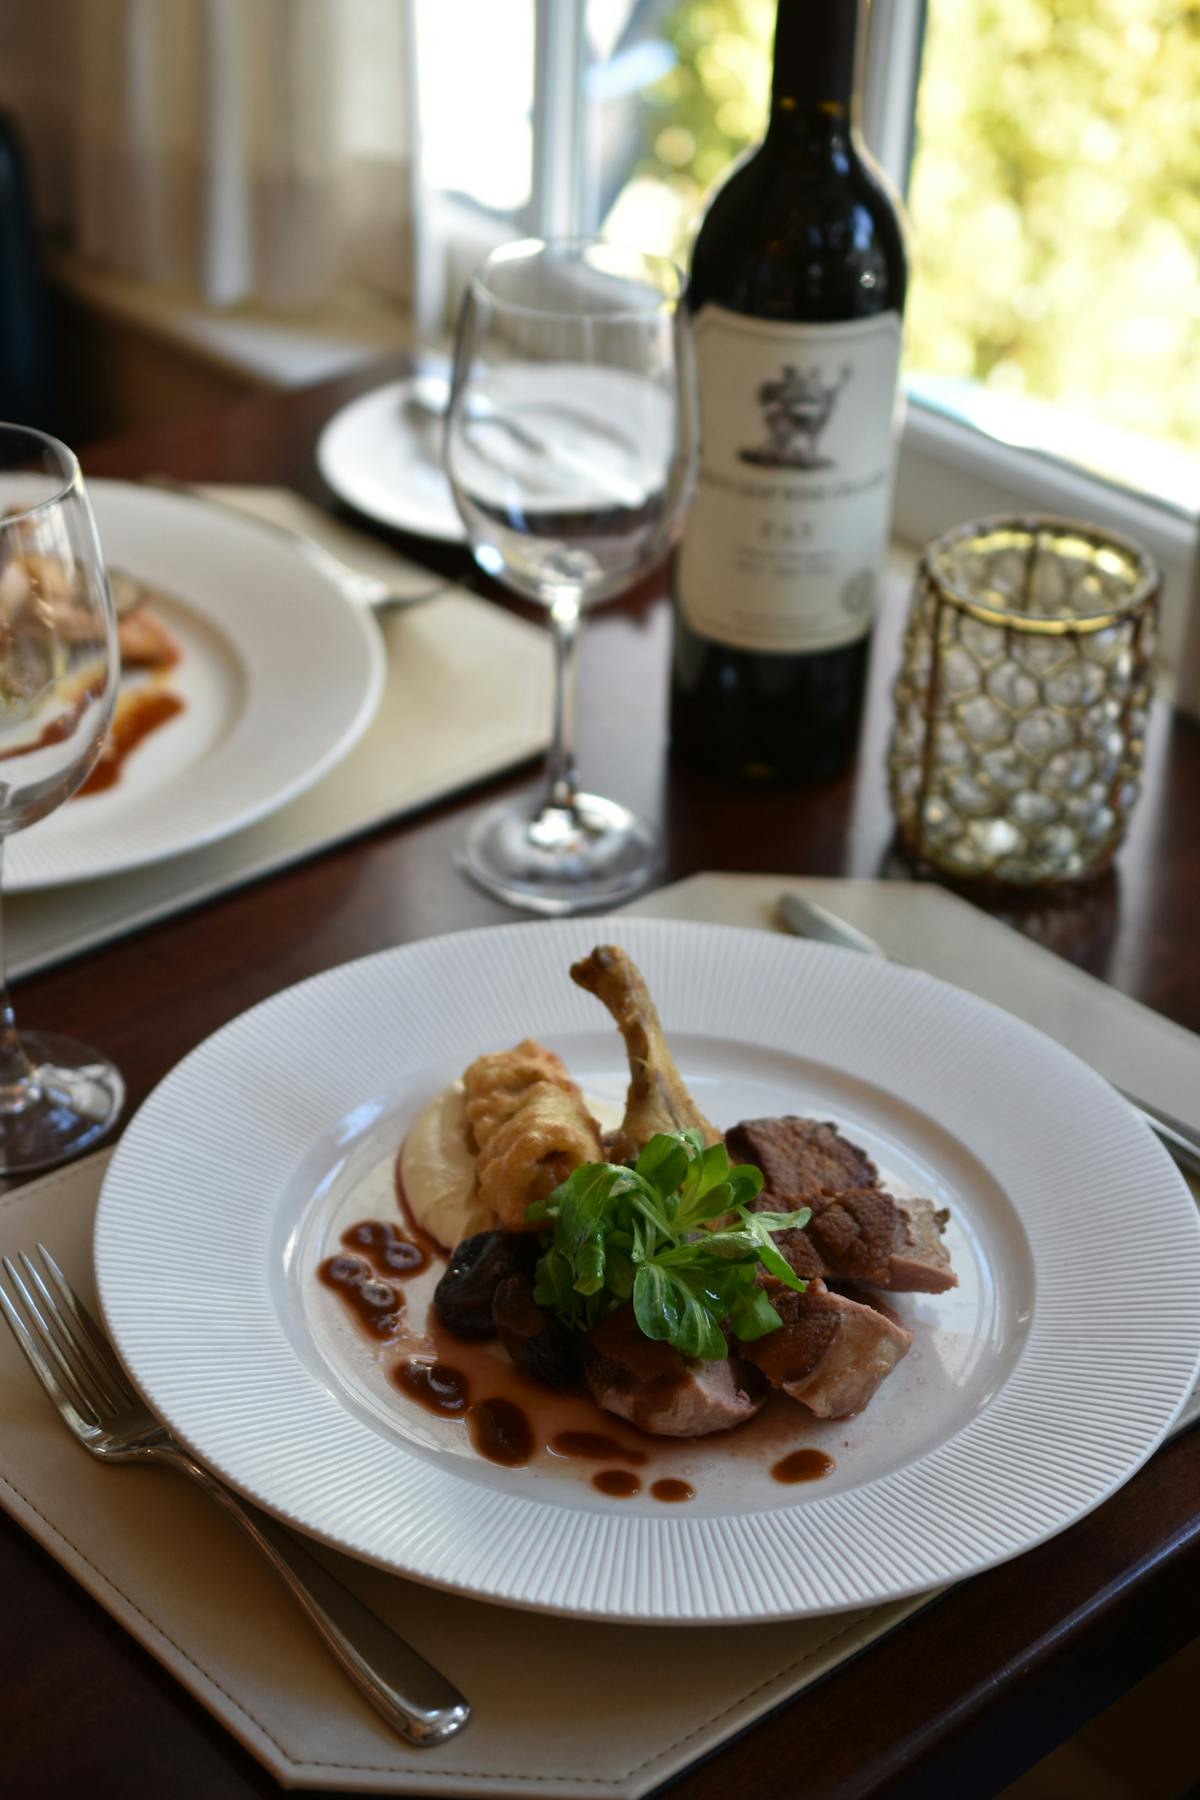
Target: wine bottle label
[(784, 542)]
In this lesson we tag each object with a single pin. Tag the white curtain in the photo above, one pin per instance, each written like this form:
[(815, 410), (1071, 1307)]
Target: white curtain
[(245, 149)]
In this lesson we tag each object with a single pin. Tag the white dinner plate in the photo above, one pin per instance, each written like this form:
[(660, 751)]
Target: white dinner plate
[(280, 676), (1031, 1392), (385, 459)]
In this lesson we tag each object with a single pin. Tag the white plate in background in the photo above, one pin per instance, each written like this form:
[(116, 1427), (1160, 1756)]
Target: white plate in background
[(383, 457), (280, 676)]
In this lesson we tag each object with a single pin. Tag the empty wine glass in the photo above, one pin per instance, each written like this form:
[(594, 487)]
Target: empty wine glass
[(58, 679), (570, 447)]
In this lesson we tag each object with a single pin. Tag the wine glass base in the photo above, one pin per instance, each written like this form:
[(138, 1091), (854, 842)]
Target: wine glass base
[(76, 1096), (557, 860)]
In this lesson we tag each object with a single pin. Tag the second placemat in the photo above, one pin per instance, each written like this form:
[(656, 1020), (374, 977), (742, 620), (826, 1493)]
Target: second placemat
[(467, 696)]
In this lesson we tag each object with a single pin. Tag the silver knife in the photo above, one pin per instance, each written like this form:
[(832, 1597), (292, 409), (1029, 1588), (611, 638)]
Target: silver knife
[(808, 920)]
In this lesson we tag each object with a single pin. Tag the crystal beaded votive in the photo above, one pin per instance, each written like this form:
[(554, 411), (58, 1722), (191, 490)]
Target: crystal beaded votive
[(1022, 700)]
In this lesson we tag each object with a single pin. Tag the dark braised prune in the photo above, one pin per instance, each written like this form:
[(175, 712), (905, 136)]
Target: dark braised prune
[(533, 1339), (462, 1299)]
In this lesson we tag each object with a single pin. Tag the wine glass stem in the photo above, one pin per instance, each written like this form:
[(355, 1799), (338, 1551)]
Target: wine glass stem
[(17, 1086), (560, 763)]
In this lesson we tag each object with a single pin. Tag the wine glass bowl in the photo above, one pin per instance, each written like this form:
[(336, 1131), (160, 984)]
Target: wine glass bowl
[(570, 449), (59, 670)]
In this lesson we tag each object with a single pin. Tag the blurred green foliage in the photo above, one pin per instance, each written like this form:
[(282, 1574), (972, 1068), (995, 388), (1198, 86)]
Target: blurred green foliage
[(1055, 195)]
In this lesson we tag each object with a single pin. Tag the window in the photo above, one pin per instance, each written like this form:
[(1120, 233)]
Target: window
[(1051, 163), (475, 63)]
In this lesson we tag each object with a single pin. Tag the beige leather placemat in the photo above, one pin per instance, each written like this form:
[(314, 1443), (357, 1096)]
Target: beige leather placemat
[(922, 924), (559, 1708), (468, 693)]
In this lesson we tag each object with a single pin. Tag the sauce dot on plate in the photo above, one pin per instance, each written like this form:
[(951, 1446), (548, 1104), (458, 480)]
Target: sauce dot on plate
[(618, 1484), (501, 1432), (803, 1465), (391, 1253), (672, 1491), (434, 1385), (594, 1446)]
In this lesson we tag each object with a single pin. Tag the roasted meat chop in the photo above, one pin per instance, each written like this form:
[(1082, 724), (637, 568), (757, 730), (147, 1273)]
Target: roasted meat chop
[(659, 1390), (830, 1353), (858, 1231), (801, 1156), (657, 1099), (883, 1242)]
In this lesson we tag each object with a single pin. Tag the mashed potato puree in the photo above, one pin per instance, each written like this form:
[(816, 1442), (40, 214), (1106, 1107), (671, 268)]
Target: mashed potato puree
[(437, 1166)]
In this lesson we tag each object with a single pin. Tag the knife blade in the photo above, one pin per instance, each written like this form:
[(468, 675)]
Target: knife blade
[(806, 919)]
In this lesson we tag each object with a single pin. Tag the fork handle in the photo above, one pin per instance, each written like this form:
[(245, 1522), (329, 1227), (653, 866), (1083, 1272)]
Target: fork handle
[(413, 1696)]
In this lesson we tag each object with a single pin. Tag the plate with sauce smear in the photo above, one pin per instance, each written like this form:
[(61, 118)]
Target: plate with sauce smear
[(278, 676), (270, 1295)]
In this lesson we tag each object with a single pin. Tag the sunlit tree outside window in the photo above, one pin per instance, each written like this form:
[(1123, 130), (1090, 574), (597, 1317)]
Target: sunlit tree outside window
[(1054, 200)]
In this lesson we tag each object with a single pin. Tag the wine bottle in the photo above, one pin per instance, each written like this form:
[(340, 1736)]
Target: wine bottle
[(796, 292)]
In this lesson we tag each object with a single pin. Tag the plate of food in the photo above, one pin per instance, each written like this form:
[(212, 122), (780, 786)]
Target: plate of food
[(246, 675), (652, 1271)]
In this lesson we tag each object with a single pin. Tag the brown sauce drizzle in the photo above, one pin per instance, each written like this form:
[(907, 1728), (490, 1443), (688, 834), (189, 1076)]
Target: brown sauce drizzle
[(672, 1491), (803, 1465), (56, 732), (501, 1432), (593, 1446), (391, 1253), (376, 1304), (137, 715), (435, 1386), (618, 1484)]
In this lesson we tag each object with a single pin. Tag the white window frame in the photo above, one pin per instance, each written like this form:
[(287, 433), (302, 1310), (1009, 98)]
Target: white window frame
[(947, 470)]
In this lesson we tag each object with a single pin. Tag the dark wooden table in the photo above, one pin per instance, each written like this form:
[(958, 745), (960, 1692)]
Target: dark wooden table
[(955, 1703)]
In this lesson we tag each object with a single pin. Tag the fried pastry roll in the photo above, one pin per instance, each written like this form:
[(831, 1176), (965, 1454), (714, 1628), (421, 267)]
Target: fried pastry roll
[(530, 1126)]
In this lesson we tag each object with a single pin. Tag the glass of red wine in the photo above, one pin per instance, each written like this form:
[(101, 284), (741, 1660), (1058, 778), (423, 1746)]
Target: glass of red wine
[(571, 441)]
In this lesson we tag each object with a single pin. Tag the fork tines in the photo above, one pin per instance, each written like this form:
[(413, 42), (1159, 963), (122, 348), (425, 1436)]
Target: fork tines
[(61, 1341)]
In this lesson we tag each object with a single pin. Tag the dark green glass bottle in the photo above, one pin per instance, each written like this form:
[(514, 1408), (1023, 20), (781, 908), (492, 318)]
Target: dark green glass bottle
[(796, 292)]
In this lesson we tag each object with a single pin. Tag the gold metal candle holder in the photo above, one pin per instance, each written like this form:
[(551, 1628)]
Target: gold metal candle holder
[(1021, 704)]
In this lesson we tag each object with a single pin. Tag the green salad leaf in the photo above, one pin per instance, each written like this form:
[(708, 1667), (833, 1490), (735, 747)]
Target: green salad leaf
[(674, 1235)]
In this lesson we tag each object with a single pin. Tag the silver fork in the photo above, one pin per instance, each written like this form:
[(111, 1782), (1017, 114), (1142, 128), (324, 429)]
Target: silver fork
[(79, 1370), (359, 586)]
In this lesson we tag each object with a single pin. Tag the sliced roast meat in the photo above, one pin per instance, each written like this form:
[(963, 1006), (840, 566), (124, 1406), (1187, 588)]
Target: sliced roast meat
[(801, 1157), (884, 1242), (858, 1231), (798, 1246), (920, 1262), (830, 1353), (662, 1392)]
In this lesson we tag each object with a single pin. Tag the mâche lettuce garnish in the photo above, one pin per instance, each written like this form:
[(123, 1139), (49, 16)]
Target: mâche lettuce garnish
[(646, 1233)]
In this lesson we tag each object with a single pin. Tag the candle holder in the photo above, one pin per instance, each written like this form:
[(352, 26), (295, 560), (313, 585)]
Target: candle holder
[(1022, 701)]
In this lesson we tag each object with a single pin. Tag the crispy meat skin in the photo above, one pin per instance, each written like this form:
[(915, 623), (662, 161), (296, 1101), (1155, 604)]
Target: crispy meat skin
[(801, 1156), (659, 1390), (495, 1085), (876, 1239), (831, 1352), (657, 1099), (530, 1126), (858, 1231)]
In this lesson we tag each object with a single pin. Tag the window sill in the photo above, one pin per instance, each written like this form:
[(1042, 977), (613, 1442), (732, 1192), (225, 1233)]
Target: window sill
[(246, 345)]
